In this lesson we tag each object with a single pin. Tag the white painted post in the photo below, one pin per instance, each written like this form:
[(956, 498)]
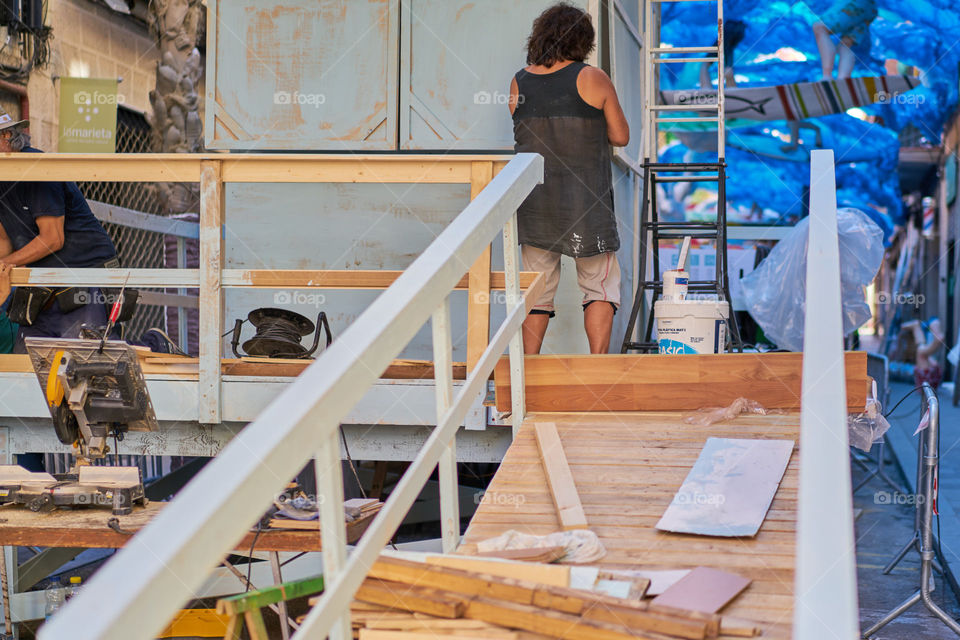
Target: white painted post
[(511, 275), (826, 578), (182, 324), (211, 309), (333, 528), (447, 466)]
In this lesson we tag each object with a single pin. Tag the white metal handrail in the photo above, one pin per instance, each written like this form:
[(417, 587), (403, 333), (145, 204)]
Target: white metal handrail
[(826, 577), (138, 591)]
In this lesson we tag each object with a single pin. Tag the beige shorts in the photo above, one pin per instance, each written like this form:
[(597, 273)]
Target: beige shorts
[(598, 276)]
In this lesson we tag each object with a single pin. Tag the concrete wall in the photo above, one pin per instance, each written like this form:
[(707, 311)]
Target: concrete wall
[(91, 41)]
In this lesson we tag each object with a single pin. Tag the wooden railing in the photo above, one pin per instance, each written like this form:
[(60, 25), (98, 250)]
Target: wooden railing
[(213, 172)]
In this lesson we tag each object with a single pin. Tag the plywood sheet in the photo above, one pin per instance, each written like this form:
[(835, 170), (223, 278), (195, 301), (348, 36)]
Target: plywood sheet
[(729, 489), (703, 589)]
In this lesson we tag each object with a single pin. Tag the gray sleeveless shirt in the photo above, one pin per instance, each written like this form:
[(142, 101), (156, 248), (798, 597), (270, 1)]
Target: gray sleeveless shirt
[(572, 211)]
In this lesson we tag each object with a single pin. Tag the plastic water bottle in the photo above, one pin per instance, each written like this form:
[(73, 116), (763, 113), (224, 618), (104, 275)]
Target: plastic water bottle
[(73, 588), (54, 594)]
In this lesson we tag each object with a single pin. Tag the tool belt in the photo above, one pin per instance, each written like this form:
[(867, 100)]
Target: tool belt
[(27, 303)]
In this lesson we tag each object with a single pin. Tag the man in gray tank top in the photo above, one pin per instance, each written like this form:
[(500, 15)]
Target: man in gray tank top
[(568, 112)]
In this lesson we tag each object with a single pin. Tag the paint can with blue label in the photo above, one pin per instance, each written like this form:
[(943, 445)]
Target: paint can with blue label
[(691, 326)]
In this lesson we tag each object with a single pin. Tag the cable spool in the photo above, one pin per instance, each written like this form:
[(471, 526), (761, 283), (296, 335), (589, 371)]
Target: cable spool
[(279, 333)]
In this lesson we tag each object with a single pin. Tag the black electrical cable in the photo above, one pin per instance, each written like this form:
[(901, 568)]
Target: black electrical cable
[(900, 401), (253, 545)]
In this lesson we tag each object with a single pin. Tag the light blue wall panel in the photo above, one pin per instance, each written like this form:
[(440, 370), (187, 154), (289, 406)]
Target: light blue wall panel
[(302, 75), (456, 62)]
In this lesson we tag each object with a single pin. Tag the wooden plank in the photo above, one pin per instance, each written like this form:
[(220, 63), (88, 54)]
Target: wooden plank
[(478, 296), (185, 167), (489, 633), (703, 589), (411, 598), (211, 301), (351, 279), (88, 529), (562, 488), (551, 623), (554, 575), (348, 279), (729, 489), (637, 615), (617, 382)]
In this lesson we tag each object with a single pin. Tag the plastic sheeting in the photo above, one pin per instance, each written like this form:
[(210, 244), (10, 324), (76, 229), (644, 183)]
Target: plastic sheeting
[(775, 293), (779, 48)]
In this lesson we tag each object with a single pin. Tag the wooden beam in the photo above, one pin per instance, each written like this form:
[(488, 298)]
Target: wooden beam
[(636, 614), (185, 167), (211, 298), (478, 297), (411, 598), (559, 479), (654, 382), (354, 279)]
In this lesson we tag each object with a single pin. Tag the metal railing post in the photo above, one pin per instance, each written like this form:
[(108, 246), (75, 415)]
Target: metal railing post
[(447, 467), (511, 274), (182, 326), (333, 528), (929, 458)]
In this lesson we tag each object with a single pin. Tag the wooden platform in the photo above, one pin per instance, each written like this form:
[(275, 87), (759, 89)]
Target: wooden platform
[(627, 467)]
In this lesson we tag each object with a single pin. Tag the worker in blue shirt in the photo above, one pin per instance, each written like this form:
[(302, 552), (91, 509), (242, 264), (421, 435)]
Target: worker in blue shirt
[(50, 224)]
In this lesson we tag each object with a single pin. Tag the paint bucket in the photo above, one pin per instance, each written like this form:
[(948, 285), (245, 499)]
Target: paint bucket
[(691, 326), (675, 283)]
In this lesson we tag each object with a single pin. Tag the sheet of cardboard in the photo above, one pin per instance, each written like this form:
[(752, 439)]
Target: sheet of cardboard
[(729, 489), (703, 589)]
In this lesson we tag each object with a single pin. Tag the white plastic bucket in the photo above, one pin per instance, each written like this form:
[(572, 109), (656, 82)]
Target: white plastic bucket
[(691, 326)]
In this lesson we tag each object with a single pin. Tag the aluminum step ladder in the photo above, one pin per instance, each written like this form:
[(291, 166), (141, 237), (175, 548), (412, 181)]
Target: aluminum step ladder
[(652, 229)]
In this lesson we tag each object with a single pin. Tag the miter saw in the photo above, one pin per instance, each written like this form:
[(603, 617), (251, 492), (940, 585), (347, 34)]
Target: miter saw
[(95, 391)]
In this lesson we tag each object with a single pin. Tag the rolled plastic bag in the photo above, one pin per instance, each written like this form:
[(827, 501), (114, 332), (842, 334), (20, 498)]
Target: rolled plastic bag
[(775, 292)]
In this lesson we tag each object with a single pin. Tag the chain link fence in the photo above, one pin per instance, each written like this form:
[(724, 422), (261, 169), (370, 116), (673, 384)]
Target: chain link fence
[(137, 248)]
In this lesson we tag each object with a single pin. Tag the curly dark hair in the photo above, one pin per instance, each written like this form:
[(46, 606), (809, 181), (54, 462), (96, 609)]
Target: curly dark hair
[(562, 32)]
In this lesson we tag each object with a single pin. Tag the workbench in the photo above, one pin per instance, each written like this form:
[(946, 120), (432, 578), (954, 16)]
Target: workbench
[(88, 528)]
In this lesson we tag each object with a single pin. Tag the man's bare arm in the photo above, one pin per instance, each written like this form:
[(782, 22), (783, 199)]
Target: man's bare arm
[(6, 247), (49, 240)]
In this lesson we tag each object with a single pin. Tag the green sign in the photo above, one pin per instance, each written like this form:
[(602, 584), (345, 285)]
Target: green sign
[(88, 115)]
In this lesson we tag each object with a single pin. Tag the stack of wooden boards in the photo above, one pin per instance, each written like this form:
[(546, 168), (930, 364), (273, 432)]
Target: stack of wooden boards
[(407, 600)]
